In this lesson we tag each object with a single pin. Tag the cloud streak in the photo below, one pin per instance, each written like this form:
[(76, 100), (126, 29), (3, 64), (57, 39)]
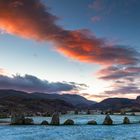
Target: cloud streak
[(33, 20), (125, 79), (129, 89), (115, 73), (31, 83)]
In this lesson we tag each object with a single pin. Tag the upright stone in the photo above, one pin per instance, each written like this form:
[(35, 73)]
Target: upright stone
[(55, 119), (108, 120), (17, 119), (21, 120), (126, 120)]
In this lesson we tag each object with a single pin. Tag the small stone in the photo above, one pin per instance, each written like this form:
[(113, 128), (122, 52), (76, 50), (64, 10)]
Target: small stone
[(44, 123), (69, 122), (133, 114), (92, 122)]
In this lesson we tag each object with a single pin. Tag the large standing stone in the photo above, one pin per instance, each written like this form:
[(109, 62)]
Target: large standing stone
[(17, 119), (21, 120), (55, 119), (92, 122), (69, 122), (126, 120), (108, 120)]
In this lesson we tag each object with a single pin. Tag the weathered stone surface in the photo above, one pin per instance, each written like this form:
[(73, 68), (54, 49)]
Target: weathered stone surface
[(28, 121), (122, 112), (55, 119), (44, 123), (126, 120), (76, 112), (3, 116), (21, 120), (133, 114), (108, 120), (17, 119), (69, 122), (92, 122)]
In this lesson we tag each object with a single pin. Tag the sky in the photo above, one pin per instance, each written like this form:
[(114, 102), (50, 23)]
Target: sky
[(85, 47)]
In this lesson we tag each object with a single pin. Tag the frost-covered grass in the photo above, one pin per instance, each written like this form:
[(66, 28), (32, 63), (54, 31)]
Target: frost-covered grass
[(76, 132)]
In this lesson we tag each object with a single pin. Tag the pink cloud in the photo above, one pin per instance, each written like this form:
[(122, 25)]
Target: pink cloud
[(95, 19), (3, 71)]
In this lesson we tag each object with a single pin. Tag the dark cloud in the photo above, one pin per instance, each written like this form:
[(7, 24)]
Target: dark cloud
[(129, 89), (115, 73), (31, 83), (32, 19), (125, 78)]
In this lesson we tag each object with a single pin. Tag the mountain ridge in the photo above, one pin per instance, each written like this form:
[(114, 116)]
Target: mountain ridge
[(50, 102), (117, 104)]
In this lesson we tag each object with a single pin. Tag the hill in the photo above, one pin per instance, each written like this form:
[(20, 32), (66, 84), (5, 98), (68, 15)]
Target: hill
[(19, 102), (118, 104), (74, 99)]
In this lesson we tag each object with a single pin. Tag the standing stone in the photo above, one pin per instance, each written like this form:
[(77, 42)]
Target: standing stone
[(76, 112), (55, 119), (108, 120), (126, 120), (21, 120), (88, 112), (17, 119)]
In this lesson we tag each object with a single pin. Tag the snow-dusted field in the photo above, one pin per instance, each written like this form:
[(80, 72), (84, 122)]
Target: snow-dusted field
[(76, 132)]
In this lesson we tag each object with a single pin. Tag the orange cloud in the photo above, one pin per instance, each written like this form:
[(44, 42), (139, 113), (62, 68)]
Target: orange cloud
[(31, 19), (28, 19), (83, 46)]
